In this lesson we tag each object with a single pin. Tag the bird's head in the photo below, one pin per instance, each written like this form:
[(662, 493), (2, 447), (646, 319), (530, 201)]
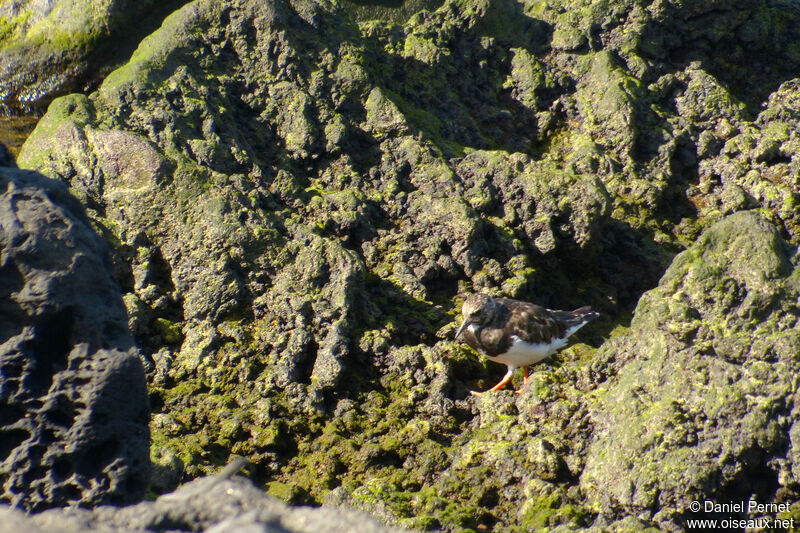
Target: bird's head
[(477, 310)]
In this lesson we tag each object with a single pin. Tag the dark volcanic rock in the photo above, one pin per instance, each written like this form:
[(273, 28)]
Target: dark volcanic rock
[(214, 504), (705, 406), (73, 426)]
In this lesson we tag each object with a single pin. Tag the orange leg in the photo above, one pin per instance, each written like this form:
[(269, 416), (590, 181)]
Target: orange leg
[(525, 380), (503, 382)]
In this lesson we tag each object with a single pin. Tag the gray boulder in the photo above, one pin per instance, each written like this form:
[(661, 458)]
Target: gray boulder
[(213, 504), (73, 421)]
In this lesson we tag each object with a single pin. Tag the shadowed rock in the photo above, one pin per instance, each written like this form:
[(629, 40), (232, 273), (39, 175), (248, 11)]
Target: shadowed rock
[(73, 422), (6, 159)]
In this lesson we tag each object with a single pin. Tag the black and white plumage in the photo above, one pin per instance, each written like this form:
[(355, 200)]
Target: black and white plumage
[(517, 333)]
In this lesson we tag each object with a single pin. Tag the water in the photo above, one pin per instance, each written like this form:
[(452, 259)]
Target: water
[(14, 131)]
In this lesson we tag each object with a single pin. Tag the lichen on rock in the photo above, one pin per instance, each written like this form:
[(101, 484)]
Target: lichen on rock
[(694, 411)]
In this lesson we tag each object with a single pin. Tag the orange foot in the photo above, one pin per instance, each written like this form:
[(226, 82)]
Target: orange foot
[(503, 382), (524, 380)]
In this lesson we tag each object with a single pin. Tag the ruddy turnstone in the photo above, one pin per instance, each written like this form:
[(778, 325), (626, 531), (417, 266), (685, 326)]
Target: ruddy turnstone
[(517, 333)]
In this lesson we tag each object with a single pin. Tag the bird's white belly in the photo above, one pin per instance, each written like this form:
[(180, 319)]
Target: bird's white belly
[(523, 353)]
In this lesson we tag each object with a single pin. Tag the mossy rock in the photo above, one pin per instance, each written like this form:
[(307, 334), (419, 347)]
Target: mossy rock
[(706, 368)]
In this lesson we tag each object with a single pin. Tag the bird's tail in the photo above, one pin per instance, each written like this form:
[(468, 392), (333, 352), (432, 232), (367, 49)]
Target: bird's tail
[(580, 317)]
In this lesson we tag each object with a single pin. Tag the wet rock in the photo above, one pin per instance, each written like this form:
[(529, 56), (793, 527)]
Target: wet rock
[(51, 48), (703, 404), (75, 409)]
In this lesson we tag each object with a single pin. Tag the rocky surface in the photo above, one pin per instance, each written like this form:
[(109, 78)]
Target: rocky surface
[(703, 405), (215, 504), (300, 196), (53, 47), (73, 428)]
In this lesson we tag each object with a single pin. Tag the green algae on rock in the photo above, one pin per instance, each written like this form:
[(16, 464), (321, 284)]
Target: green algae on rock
[(702, 404)]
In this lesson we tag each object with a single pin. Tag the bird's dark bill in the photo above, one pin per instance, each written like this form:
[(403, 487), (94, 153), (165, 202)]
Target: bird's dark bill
[(464, 325)]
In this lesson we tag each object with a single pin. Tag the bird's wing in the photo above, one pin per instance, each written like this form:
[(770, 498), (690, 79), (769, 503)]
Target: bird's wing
[(535, 324)]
